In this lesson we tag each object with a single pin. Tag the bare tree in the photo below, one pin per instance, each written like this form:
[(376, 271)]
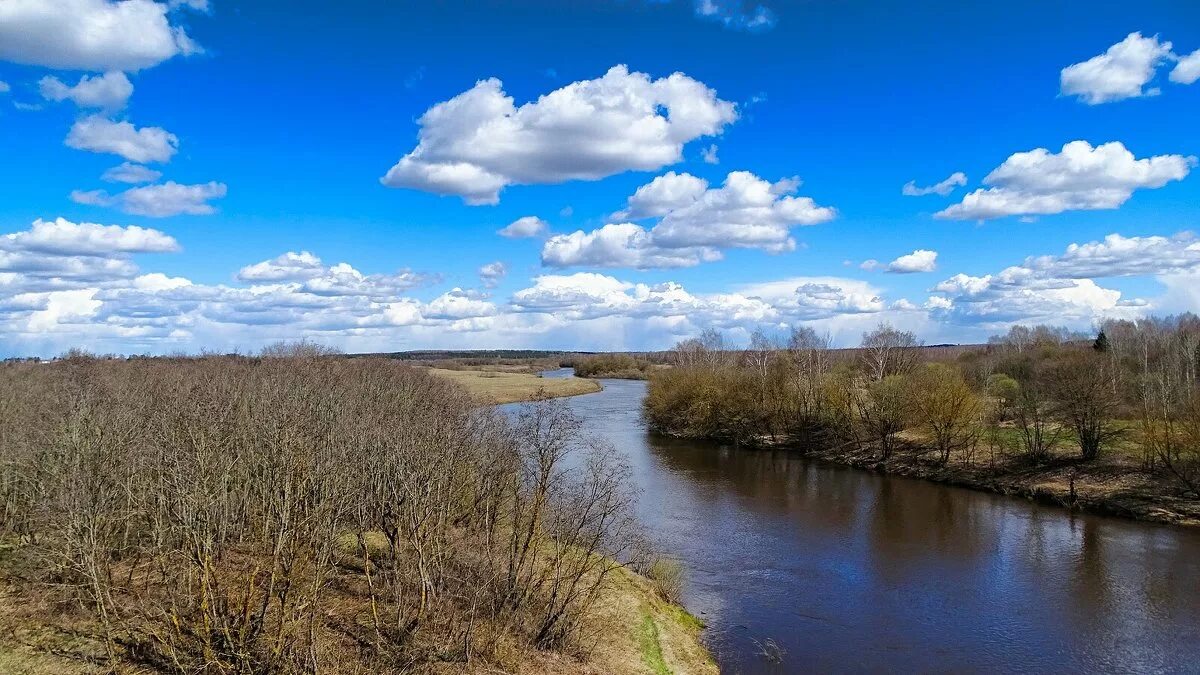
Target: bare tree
[(888, 351), (1081, 386)]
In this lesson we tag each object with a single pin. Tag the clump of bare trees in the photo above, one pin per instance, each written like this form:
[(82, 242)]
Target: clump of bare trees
[(300, 512), (1030, 394)]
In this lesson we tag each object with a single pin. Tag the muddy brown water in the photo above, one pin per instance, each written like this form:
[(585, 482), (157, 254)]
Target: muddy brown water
[(833, 569)]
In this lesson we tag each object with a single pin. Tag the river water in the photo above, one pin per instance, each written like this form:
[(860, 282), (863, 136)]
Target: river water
[(845, 570)]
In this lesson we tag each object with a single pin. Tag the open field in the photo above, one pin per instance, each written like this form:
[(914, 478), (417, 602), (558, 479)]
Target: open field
[(510, 387)]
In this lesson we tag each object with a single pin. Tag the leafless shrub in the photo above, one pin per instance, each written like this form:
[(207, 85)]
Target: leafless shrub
[(236, 514)]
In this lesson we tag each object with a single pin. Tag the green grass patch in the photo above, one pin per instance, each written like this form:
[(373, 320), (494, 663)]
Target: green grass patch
[(684, 618), (651, 648)]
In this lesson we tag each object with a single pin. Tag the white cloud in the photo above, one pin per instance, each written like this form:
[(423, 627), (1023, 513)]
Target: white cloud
[(158, 201), (921, 260), (1187, 70), (63, 237), (171, 198), (95, 35), (810, 298), (527, 227), (131, 173), (458, 304), (4, 88), (1039, 182), (665, 194), (99, 134), (478, 142), (695, 222), (1118, 256), (620, 245), (1121, 72), (306, 272), (735, 14), (588, 296), (942, 188), (709, 155), (1019, 295), (1062, 289), (110, 91), (492, 273), (289, 266)]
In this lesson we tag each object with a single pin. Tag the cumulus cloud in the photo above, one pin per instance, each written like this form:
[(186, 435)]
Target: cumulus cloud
[(694, 222), (478, 142), (100, 134), (492, 273), (458, 304), (709, 155), (63, 237), (4, 88), (920, 260), (1080, 177), (95, 35), (1187, 70), (131, 173), (942, 188), (620, 245), (309, 274), (589, 296), (1118, 256), (110, 91), (1062, 289), (59, 255), (1121, 72), (171, 198), (290, 266), (1019, 295), (527, 227), (158, 201)]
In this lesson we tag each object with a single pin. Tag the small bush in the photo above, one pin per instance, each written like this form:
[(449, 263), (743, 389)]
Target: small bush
[(667, 576)]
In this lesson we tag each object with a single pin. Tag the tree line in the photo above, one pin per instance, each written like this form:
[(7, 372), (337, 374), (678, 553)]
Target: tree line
[(295, 513), (1028, 394)]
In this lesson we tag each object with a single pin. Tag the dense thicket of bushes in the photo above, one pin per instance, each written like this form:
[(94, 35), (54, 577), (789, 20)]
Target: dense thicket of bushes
[(623, 366), (1030, 392), (295, 513)]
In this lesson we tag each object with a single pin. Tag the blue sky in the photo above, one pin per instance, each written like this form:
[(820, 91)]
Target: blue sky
[(271, 125)]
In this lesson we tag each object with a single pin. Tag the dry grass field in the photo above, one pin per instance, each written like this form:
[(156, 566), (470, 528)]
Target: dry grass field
[(509, 387)]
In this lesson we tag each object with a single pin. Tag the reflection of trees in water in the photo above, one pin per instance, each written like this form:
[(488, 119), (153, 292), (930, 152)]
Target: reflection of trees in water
[(766, 483), (913, 527)]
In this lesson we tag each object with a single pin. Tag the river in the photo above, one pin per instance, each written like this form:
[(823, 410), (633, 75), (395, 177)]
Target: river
[(846, 570)]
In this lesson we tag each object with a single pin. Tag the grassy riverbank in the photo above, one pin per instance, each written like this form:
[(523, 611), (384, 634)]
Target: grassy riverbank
[(633, 629), (495, 386), (1116, 486), (1109, 424)]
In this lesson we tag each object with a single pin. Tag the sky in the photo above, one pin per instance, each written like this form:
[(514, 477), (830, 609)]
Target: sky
[(604, 175)]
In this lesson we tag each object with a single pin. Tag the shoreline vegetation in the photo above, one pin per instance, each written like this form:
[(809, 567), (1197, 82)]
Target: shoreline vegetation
[(1108, 423), (617, 366), (294, 513)]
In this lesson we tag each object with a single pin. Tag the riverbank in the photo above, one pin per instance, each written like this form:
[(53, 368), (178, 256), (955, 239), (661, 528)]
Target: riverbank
[(632, 630), (1112, 487), (497, 387)]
